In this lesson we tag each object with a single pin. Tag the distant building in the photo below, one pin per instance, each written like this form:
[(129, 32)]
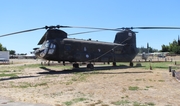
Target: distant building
[(4, 56), (30, 56)]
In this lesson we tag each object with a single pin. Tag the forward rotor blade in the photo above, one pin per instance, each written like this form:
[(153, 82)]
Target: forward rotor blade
[(155, 27), (85, 32), (116, 29), (21, 32)]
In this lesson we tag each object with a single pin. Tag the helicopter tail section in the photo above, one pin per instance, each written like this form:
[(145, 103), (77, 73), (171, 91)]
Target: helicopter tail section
[(128, 39)]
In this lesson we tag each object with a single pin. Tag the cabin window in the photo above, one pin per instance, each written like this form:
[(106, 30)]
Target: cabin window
[(51, 48), (130, 34), (87, 56), (85, 49), (51, 51), (99, 50)]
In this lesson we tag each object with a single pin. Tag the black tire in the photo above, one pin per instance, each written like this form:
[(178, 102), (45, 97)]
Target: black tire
[(114, 64), (90, 66), (75, 65), (131, 64)]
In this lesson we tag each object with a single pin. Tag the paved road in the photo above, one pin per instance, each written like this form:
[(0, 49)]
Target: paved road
[(6, 102)]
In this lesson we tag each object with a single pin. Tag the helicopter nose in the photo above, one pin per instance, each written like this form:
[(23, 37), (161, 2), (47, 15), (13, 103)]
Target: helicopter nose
[(37, 52)]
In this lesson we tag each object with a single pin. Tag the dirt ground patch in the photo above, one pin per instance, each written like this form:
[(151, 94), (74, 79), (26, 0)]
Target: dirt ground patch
[(108, 86)]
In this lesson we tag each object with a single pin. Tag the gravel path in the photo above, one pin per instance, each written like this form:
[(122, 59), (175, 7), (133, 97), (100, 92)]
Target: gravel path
[(102, 87), (8, 102)]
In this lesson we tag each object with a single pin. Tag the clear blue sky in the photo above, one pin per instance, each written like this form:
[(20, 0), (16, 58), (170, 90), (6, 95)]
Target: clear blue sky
[(17, 15)]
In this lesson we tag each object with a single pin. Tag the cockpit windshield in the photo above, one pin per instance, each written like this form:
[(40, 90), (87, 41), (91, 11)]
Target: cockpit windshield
[(45, 44), (48, 47)]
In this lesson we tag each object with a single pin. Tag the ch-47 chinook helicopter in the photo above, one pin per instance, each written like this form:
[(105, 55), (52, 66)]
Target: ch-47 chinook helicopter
[(56, 46)]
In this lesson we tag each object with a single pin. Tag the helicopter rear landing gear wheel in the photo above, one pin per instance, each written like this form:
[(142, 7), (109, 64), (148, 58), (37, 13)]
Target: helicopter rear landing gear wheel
[(131, 64), (90, 66), (114, 64), (64, 63), (75, 65)]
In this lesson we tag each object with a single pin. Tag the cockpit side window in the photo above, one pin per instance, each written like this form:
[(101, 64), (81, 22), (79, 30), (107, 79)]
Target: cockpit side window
[(51, 48)]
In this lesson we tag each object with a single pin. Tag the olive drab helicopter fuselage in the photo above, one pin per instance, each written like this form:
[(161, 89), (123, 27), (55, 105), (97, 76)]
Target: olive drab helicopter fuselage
[(57, 47)]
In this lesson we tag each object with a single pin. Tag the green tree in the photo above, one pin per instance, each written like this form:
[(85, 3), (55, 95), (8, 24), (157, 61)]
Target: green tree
[(12, 52), (2, 48), (172, 48), (165, 48), (173, 45), (143, 49), (176, 49), (151, 50)]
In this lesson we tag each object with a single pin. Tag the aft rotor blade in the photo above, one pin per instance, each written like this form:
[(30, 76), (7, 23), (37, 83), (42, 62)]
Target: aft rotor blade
[(116, 29), (22, 31), (155, 28)]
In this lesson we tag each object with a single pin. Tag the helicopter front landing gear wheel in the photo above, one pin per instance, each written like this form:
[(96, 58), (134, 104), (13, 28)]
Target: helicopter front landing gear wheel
[(75, 65), (90, 66), (48, 63), (131, 64)]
